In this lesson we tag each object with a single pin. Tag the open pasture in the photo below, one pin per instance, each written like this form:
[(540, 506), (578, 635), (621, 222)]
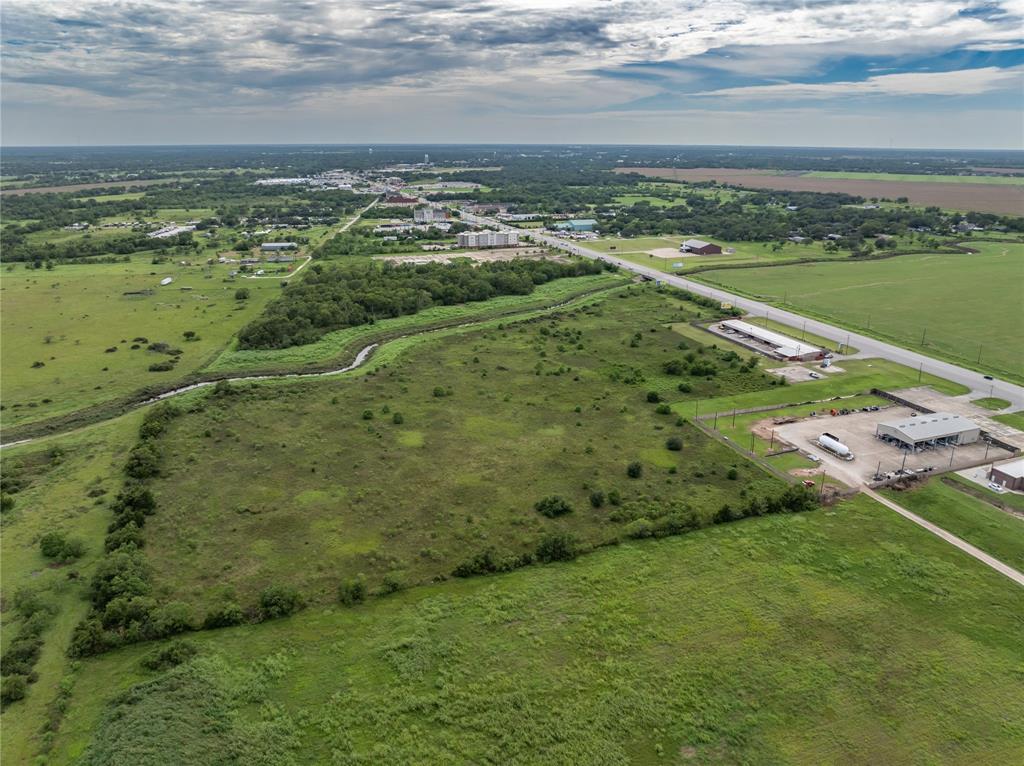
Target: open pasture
[(965, 307), (58, 326), (1007, 198), (845, 635), (483, 423)]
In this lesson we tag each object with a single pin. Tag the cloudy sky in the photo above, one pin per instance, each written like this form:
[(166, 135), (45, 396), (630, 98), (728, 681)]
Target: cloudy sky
[(903, 73)]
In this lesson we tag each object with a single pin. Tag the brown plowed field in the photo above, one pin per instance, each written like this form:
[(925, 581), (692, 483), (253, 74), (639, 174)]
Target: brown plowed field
[(986, 198)]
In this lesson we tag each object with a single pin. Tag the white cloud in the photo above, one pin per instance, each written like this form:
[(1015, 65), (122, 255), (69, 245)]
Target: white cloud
[(964, 82)]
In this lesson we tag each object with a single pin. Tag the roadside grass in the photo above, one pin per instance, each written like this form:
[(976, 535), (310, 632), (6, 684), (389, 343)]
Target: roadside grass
[(1006, 500), (860, 376), (333, 345), (493, 419), (921, 177), (65, 319), (752, 253), (996, 532), (845, 635), (953, 306), (1013, 419), (991, 403)]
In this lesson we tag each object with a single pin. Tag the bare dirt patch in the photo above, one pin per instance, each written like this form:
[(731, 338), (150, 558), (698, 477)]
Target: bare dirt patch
[(988, 198)]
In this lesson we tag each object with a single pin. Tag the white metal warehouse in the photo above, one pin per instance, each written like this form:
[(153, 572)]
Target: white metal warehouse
[(782, 345), (939, 428)]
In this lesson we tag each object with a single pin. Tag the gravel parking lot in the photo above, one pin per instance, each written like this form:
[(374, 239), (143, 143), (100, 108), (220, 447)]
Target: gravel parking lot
[(857, 431)]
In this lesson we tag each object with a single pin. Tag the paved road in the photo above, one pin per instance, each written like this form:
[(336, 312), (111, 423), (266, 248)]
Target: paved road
[(868, 346), (966, 547)]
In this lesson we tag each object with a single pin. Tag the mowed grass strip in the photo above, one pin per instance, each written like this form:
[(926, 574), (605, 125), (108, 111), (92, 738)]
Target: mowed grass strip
[(64, 320), (841, 636), (979, 523), (966, 307)]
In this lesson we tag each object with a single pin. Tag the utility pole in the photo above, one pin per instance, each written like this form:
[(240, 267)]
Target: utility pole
[(696, 404), (803, 333), (904, 461), (920, 370), (923, 333), (771, 446), (979, 354), (751, 442), (716, 420), (734, 419), (821, 489), (951, 454)]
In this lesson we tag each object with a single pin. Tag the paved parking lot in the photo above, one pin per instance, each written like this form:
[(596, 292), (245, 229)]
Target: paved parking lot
[(857, 431)]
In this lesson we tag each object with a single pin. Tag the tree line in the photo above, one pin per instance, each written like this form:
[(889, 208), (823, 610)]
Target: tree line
[(333, 297)]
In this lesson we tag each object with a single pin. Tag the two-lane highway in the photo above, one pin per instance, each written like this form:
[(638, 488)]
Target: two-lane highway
[(868, 346)]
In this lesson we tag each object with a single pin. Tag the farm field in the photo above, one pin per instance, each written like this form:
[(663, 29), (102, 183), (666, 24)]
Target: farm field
[(65, 319), (1005, 199), (918, 177), (530, 414), (994, 531), (839, 636), (909, 298)]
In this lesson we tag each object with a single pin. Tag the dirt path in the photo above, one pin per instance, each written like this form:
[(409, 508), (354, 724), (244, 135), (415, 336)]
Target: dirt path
[(990, 561)]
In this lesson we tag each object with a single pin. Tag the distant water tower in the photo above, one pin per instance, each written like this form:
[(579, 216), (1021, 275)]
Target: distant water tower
[(371, 150), (426, 159)]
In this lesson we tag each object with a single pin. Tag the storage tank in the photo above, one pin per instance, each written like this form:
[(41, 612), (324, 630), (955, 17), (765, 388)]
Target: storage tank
[(832, 444)]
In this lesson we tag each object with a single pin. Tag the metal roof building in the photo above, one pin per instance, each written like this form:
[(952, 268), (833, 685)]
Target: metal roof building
[(1009, 475), (699, 246), (781, 345), (944, 427)]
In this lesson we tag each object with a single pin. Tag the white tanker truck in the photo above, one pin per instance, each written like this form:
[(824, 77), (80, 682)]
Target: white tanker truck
[(831, 443)]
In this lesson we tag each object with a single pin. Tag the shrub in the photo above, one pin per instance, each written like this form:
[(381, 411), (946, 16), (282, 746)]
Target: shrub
[(352, 592), (88, 639), (597, 498), (143, 461), (51, 544), (123, 573), (556, 547), (367, 414), (242, 294), (674, 443), (397, 419), (552, 506), (439, 391), (161, 367), (635, 470), (674, 367), (391, 583), (13, 689), (173, 617), (279, 601), (652, 397), (224, 616), (190, 335), (614, 498), (684, 388), (481, 563), (172, 655), (732, 475), (663, 409), (724, 514), (128, 535)]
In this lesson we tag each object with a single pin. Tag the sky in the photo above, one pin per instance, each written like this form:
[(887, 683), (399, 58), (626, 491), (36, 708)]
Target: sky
[(869, 73)]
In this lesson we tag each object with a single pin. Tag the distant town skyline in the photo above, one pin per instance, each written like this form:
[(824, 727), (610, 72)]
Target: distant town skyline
[(834, 73)]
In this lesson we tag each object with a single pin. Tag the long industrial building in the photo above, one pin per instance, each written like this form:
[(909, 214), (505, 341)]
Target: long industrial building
[(488, 238), (780, 345), (936, 429)]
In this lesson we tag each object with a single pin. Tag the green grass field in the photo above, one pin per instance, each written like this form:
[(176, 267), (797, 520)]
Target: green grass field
[(992, 403), (965, 307), (336, 344), (68, 317), (919, 177), (979, 523), (842, 636), (538, 408)]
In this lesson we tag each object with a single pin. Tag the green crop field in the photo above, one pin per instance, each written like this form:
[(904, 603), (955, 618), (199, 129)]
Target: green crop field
[(840, 636), (965, 307), (994, 531), (66, 319), (920, 177)]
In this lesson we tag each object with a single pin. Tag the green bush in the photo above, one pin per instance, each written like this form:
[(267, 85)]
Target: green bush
[(652, 397), (732, 475), (224, 616), (397, 419), (674, 443), (352, 592), (635, 470), (143, 461), (557, 547), (13, 688), (481, 563), (597, 498), (552, 506), (170, 656), (279, 601), (367, 414), (242, 294)]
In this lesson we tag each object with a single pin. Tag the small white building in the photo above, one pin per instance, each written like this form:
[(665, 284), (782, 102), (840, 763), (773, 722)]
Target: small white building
[(273, 247)]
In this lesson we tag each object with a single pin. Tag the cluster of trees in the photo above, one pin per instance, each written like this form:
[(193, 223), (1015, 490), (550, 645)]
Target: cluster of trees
[(16, 247), (333, 297), (22, 653)]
